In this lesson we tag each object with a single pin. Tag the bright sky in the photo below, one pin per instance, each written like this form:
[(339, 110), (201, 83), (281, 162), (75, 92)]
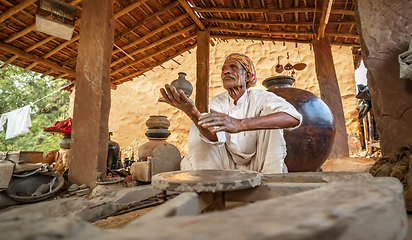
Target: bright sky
[(360, 75)]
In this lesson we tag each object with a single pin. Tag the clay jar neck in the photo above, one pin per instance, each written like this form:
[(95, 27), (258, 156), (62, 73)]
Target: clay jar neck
[(278, 82)]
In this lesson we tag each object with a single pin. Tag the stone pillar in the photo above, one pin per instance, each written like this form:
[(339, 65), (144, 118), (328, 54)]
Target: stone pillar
[(202, 70), (330, 94), (385, 28), (92, 101)]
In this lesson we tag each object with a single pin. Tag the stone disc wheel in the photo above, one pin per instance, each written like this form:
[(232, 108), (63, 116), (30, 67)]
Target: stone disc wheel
[(207, 180)]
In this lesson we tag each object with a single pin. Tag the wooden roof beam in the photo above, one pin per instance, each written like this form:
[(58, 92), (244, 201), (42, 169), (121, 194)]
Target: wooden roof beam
[(277, 40), (61, 46), (326, 9), (15, 9), (151, 67), (176, 34), (192, 14), (141, 59), (226, 29), (23, 54), (222, 20), (21, 33), (270, 10), (128, 8), (154, 32), (146, 19), (10, 60)]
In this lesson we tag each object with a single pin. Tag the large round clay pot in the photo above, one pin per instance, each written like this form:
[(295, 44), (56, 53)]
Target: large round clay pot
[(308, 146), (147, 149), (157, 122), (182, 84)]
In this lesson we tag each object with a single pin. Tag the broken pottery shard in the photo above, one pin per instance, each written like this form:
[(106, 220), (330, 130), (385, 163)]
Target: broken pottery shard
[(73, 187)]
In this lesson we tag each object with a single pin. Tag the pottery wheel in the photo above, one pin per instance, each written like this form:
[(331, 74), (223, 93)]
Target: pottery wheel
[(207, 180)]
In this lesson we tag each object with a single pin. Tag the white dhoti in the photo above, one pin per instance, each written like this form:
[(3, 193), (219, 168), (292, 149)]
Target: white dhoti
[(269, 156), (260, 150)]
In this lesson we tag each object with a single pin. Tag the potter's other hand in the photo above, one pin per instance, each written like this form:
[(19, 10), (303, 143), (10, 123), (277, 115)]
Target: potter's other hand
[(220, 122), (177, 99)]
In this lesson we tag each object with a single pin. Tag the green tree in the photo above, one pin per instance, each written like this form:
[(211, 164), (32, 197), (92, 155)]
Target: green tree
[(19, 88)]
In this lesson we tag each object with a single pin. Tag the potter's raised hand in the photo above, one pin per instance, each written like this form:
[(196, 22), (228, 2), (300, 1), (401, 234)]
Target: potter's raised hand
[(220, 122), (179, 100)]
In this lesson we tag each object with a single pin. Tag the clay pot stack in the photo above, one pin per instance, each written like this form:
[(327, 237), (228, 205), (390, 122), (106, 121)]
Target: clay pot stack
[(157, 134)]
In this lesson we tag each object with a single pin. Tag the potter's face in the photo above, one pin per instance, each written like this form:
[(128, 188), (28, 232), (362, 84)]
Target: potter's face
[(233, 74)]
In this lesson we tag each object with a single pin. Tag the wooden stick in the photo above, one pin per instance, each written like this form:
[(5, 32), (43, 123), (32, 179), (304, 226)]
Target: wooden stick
[(125, 53), (32, 65), (192, 14)]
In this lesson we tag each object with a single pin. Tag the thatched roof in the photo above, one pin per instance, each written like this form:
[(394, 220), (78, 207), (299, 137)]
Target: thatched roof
[(151, 32)]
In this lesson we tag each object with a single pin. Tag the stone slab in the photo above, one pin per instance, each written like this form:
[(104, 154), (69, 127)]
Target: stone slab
[(364, 208), (314, 177)]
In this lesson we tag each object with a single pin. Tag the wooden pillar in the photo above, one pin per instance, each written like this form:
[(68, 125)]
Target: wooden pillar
[(90, 131), (330, 94), (202, 70)]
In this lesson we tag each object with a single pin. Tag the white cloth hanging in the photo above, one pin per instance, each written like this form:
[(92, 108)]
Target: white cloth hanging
[(18, 122)]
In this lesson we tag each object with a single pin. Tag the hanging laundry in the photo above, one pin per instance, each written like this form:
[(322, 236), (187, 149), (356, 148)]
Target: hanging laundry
[(18, 122)]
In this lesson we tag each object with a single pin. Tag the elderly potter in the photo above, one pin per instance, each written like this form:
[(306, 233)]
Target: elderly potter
[(245, 127)]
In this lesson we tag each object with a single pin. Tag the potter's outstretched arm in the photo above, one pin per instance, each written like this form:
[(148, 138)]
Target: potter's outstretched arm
[(182, 102), (223, 122)]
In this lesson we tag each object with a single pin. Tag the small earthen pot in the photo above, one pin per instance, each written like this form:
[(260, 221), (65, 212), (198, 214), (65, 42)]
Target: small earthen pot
[(182, 84), (157, 122), (157, 133)]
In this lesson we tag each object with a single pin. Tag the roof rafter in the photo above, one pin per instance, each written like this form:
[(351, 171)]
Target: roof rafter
[(141, 71), (326, 8), (277, 40), (176, 34), (15, 9), (23, 54), (148, 18), (153, 54), (192, 14), (152, 33), (270, 10)]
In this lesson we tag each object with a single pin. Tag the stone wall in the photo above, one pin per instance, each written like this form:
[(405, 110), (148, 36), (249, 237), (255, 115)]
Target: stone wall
[(133, 102), (385, 28)]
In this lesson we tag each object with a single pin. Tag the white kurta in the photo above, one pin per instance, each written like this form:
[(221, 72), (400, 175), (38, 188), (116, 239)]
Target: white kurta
[(261, 150)]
